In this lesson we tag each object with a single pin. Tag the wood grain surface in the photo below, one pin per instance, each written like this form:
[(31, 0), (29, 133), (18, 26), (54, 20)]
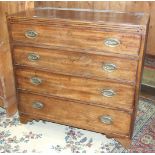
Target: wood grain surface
[(76, 88), (127, 6), (76, 44), (76, 114), (6, 69), (77, 63), (76, 39)]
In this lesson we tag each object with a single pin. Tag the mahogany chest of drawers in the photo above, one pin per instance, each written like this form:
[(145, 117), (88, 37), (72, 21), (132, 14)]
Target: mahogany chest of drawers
[(79, 68)]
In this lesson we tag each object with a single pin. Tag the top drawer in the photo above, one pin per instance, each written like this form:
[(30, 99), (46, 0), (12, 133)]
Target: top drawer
[(78, 39)]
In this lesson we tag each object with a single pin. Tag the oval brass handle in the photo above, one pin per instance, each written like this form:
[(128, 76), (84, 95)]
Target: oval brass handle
[(35, 80), (106, 119), (108, 92), (109, 67), (33, 57), (37, 105), (111, 42), (31, 34)]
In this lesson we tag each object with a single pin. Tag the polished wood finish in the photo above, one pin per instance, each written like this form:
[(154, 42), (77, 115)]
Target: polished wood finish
[(85, 16), (125, 141), (8, 99), (77, 63), (67, 71), (75, 114), (77, 39), (7, 7), (82, 89), (126, 6)]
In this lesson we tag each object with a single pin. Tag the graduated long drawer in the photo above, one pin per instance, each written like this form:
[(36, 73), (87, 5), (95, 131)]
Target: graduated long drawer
[(77, 39), (77, 64), (88, 117), (76, 88)]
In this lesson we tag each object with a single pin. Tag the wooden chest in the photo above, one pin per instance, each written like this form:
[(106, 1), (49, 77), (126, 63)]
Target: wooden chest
[(79, 68)]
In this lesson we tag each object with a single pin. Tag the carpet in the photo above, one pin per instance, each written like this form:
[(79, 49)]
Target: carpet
[(47, 137)]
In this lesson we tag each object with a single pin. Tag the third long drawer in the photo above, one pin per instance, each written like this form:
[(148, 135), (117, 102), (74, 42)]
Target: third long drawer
[(75, 88)]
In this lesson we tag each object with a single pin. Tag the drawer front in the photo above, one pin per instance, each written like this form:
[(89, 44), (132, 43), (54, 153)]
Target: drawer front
[(79, 115), (78, 39), (78, 64), (82, 89)]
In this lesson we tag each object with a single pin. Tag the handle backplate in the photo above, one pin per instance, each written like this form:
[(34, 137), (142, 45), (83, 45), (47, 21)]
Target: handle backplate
[(108, 92), (33, 57), (106, 119), (111, 42), (109, 67), (37, 105), (36, 80), (31, 34)]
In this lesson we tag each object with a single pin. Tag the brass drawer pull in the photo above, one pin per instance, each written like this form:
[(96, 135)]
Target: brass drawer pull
[(108, 92), (109, 67), (35, 80), (31, 34), (106, 119), (37, 105), (33, 57), (111, 42)]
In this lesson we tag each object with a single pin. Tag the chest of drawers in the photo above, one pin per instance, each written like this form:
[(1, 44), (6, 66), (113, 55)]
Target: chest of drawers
[(79, 68)]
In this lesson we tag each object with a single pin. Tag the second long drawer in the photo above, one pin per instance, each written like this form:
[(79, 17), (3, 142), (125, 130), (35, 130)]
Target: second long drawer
[(75, 88), (78, 64)]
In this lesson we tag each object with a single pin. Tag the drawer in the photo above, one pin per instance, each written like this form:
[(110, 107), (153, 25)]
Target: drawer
[(75, 88), (77, 39), (76, 63), (88, 117)]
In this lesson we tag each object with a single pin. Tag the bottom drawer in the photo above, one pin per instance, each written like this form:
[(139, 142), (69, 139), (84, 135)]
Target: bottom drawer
[(79, 115)]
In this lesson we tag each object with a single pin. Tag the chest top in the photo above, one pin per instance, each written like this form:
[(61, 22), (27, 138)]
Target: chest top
[(103, 19)]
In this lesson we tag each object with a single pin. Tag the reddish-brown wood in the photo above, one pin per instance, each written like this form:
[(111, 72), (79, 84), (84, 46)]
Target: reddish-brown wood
[(96, 16), (8, 99), (76, 63), (75, 114), (139, 73), (82, 89), (127, 6), (76, 38)]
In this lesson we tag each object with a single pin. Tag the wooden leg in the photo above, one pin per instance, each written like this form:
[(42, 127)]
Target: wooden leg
[(126, 142), (24, 118)]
